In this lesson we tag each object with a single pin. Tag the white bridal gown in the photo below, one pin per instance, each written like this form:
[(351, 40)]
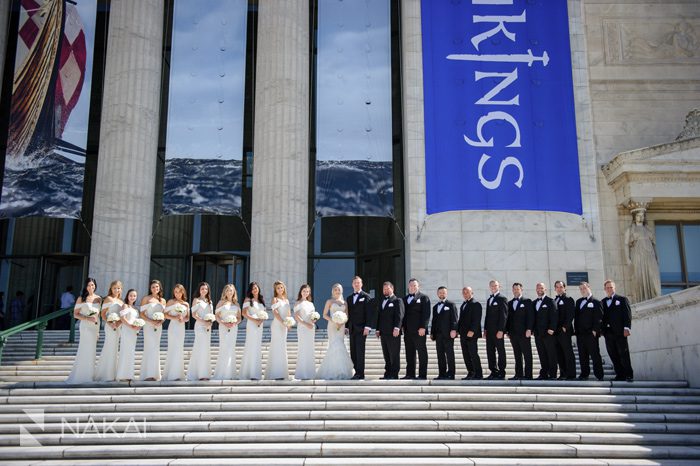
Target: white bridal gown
[(226, 363), (107, 364), (84, 364), (150, 362), (200, 358), (251, 364), (306, 357), (175, 357), (337, 364), (127, 345), (277, 366)]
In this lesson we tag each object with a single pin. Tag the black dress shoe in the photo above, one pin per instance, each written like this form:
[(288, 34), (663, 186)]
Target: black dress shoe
[(421, 377), (408, 377), (561, 377), (582, 377), (618, 378), (357, 377), (478, 377), (629, 379), (599, 379), (467, 377), (515, 377), (529, 377), (571, 378), (492, 376), (500, 377), (470, 375), (542, 377), (440, 377)]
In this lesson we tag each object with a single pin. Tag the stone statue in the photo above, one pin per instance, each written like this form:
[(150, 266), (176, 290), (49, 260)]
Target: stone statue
[(641, 254)]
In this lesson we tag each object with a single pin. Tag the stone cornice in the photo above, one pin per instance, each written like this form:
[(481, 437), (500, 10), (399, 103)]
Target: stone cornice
[(667, 303)]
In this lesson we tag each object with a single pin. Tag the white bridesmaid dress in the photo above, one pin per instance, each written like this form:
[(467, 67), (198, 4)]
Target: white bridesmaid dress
[(336, 364), (226, 362), (127, 345), (175, 357), (107, 364), (150, 361), (84, 364), (251, 364), (200, 358), (277, 367), (306, 357)]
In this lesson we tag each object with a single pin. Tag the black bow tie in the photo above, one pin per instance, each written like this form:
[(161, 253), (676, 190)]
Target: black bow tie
[(539, 299), (491, 296), (412, 295)]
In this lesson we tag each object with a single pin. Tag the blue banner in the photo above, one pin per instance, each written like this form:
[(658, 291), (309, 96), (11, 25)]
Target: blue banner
[(500, 129)]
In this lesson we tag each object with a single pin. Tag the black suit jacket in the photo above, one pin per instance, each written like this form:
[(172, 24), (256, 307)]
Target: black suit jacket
[(391, 316), (417, 313), (522, 318), (547, 317), (567, 312), (616, 316), (445, 321), (469, 318), (361, 313), (589, 318), (496, 315)]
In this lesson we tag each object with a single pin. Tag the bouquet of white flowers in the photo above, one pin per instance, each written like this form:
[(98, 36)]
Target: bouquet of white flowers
[(209, 317), (88, 311), (178, 310), (113, 317), (139, 323), (158, 316), (339, 318), (261, 315), (289, 322), (315, 316), (229, 319)]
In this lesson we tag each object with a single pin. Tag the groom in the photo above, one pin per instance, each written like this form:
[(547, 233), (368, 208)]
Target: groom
[(390, 316), (360, 319)]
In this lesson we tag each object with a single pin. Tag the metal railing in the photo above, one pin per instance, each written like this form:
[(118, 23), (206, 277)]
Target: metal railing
[(40, 323)]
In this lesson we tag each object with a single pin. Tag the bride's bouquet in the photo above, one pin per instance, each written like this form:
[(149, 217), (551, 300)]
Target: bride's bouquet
[(339, 318), (289, 322), (315, 316)]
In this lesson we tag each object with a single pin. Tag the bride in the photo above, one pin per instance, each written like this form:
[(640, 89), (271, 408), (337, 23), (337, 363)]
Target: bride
[(337, 364)]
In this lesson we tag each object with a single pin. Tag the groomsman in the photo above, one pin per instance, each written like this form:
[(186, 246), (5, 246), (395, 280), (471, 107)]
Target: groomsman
[(521, 320), (494, 328), (565, 351), (389, 318), (360, 319), (588, 323), (617, 322), (415, 323), (469, 330), (546, 320), (443, 331)]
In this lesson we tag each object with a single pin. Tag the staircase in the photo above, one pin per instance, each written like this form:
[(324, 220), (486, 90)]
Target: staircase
[(371, 422)]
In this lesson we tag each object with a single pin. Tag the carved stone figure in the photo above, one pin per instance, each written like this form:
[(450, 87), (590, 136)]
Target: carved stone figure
[(641, 254)]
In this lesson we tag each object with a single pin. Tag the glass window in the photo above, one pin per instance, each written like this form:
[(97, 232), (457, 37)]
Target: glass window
[(678, 250)]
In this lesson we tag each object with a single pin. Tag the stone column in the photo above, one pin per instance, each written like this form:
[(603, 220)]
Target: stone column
[(281, 161), (126, 169), (4, 26)]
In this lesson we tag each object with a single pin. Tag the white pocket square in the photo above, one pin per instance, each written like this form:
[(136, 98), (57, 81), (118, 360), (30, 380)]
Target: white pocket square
[(445, 308), (544, 306), (417, 300), (522, 305), (590, 304), (362, 299), (390, 305), (617, 303)]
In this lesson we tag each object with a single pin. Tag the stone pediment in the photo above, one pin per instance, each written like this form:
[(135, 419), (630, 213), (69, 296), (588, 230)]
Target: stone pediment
[(667, 173)]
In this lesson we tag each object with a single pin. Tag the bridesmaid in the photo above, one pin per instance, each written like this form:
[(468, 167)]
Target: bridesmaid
[(251, 365), (111, 305), (129, 334), (306, 329), (277, 367), (177, 311), (199, 367), (87, 311), (225, 309), (150, 304)]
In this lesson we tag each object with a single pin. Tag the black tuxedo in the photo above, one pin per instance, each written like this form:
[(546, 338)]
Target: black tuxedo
[(470, 320), (546, 320), (390, 313), (417, 316), (589, 319), (617, 315), (521, 318), (444, 322), (565, 326), (495, 321), (360, 315)]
